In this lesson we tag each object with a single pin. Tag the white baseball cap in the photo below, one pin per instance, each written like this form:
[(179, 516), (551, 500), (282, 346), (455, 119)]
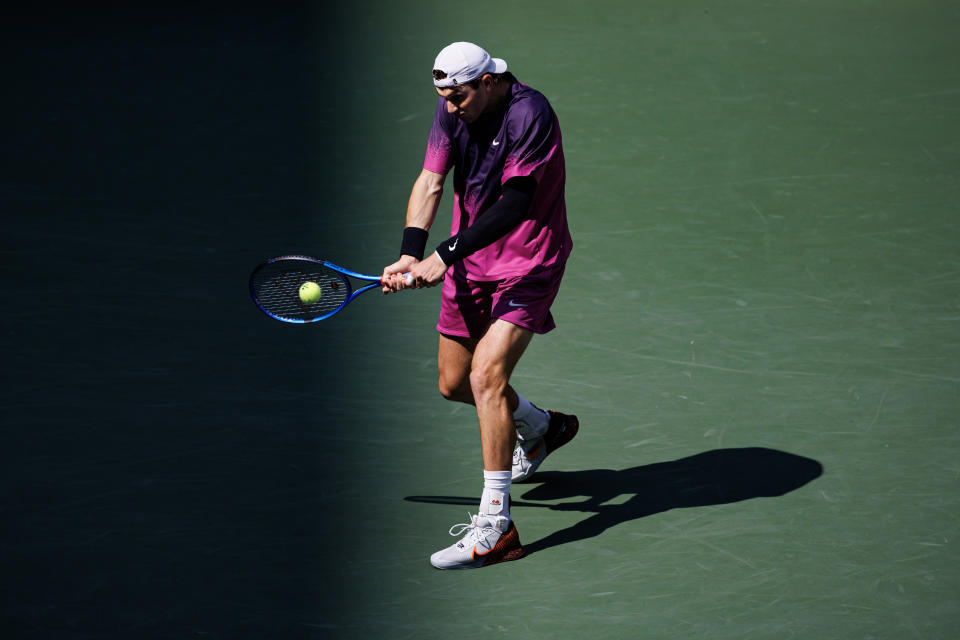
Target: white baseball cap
[(461, 62)]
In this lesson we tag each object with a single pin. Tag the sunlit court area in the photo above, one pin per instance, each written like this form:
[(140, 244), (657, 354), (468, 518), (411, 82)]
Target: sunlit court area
[(758, 327)]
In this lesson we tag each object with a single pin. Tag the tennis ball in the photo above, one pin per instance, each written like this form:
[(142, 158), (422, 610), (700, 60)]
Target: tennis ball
[(310, 292)]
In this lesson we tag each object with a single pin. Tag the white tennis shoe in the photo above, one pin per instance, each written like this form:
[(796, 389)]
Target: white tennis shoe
[(530, 454), (488, 540), (527, 457)]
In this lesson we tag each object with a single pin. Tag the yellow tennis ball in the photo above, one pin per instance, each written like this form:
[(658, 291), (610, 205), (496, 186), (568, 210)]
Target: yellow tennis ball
[(310, 292)]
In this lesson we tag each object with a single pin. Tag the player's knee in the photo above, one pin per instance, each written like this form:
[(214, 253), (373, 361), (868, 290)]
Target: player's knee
[(487, 380), (455, 390)]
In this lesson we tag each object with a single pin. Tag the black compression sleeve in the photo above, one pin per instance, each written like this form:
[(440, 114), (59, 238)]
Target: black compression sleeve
[(496, 222)]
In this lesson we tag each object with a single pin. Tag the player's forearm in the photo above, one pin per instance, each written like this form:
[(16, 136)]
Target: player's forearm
[(421, 212), (425, 200)]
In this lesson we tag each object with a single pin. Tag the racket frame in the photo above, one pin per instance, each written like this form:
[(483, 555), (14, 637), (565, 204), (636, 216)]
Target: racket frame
[(351, 294)]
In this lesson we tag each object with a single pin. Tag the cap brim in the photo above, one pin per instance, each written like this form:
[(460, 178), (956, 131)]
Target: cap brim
[(499, 65)]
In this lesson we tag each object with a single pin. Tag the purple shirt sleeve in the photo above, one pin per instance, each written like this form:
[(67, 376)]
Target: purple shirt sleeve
[(439, 156), (534, 139)]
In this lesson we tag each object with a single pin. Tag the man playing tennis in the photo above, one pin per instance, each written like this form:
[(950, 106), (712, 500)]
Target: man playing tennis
[(501, 270)]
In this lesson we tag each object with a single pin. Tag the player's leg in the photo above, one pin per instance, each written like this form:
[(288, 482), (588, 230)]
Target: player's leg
[(464, 312), (477, 371), (525, 301), (491, 537), (494, 359), (454, 362), (454, 359)]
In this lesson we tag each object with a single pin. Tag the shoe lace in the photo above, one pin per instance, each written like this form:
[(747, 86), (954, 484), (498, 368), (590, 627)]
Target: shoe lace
[(472, 528)]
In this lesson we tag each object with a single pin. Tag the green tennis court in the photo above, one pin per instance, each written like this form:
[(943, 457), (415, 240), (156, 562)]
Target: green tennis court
[(759, 330), (763, 201)]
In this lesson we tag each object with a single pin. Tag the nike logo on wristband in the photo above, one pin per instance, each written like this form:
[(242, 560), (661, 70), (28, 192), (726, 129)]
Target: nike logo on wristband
[(452, 247), (496, 143)]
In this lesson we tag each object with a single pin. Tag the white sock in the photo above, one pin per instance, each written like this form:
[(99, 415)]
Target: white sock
[(531, 421), (496, 494)]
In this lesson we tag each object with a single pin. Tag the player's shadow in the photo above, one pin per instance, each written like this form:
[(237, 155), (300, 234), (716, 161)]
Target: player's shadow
[(713, 477)]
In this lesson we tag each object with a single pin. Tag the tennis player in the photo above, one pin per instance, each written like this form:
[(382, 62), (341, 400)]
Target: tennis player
[(500, 268)]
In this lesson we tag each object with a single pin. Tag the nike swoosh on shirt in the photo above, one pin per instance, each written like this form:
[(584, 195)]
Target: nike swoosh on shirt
[(512, 303), (496, 143)]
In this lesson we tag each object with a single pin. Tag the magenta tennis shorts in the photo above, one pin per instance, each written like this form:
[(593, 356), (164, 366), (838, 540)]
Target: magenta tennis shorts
[(468, 307)]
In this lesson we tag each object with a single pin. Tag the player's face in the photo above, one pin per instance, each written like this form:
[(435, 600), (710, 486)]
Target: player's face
[(466, 102)]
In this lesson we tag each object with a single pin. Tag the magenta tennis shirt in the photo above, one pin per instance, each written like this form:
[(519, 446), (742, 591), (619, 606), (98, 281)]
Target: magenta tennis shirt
[(521, 139)]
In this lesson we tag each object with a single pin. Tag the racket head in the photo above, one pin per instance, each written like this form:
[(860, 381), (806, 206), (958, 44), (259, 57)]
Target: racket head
[(275, 288)]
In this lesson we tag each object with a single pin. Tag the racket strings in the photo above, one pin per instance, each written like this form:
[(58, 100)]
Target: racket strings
[(277, 287)]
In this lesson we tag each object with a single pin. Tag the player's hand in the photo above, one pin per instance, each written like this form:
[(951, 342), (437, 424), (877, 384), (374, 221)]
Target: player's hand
[(429, 272), (392, 278)]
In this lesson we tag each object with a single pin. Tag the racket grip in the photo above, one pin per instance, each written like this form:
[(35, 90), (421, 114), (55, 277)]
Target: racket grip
[(407, 278)]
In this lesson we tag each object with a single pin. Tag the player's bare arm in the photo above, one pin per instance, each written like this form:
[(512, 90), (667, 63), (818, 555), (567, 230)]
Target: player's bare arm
[(421, 212)]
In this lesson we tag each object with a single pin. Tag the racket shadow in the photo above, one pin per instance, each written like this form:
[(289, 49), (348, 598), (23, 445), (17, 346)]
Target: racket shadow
[(720, 476)]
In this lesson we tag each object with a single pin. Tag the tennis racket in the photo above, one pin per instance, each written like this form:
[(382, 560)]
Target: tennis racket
[(275, 288)]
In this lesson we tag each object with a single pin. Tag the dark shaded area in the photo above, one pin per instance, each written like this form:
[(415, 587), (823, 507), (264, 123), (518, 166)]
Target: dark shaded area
[(713, 477), (162, 466)]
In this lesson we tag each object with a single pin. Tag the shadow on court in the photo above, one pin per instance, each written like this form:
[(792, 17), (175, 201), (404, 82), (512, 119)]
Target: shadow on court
[(720, 476)]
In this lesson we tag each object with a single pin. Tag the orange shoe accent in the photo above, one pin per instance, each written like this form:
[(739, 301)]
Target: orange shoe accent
[(508, 548)]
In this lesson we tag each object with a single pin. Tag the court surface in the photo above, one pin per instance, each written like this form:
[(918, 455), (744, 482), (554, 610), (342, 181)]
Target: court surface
[(759, 327)]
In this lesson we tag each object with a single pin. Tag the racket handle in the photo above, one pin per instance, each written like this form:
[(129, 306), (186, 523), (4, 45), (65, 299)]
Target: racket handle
[(408, 279)]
